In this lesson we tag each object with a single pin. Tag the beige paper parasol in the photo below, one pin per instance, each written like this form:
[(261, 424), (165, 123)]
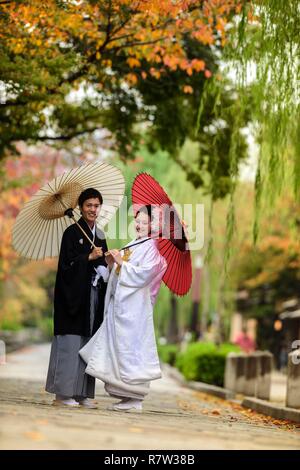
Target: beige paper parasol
[(39, 226)]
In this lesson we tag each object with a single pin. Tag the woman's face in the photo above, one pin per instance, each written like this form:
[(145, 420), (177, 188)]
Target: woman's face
[(142, 225)]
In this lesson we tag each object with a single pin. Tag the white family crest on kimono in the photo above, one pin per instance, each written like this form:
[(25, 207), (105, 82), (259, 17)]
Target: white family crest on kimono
[(123, 352)]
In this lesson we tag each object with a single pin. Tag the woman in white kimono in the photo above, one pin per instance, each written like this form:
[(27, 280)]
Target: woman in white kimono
[(123, 352)]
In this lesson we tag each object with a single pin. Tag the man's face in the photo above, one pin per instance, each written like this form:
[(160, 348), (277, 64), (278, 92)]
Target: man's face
[(90, 210)]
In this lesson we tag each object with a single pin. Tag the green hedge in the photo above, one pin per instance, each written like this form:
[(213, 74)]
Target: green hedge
[(168, 353), (204, 362)]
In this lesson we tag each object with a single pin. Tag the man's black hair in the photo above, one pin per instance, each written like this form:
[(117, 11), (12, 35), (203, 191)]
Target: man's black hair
[(89, 193)]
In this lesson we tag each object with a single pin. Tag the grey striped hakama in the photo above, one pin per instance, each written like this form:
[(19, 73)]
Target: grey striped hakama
[(66, 373)]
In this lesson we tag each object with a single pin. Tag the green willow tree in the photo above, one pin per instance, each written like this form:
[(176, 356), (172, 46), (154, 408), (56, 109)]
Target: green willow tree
[(264, 53)]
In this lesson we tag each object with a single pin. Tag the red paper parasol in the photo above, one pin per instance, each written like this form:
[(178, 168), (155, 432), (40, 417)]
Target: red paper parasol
[(172, 241)]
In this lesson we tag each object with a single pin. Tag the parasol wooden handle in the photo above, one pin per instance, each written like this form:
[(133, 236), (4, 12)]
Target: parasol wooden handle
[(69, 213), (133, 244), (84, 232)]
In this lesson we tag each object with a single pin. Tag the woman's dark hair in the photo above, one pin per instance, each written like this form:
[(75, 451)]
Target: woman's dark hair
[(89, 193), (145, 210)]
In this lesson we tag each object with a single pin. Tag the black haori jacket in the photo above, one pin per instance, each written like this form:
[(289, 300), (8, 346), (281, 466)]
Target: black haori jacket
[(73, 282)]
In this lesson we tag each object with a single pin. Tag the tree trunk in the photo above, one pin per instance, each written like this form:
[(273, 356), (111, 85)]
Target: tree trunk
[(173, 329)]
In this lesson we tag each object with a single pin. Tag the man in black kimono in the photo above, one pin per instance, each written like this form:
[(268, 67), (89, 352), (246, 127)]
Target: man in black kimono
[(78, 304)]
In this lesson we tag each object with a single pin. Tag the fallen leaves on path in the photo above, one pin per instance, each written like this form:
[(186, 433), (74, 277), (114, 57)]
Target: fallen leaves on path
[(136, 430), (187, 406), (42, 421), (34, 436), (241, 413), (190, 406)]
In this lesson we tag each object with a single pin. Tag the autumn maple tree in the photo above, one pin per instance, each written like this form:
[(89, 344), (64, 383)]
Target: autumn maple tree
[(69, 68), (23, 177), (21, 295), (270, 270)]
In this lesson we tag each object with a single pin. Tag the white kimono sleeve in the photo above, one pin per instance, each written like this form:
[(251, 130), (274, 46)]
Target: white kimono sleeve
[(141, 275)]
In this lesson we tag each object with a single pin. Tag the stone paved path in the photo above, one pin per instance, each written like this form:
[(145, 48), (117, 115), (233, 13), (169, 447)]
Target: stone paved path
[(174, 417)]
